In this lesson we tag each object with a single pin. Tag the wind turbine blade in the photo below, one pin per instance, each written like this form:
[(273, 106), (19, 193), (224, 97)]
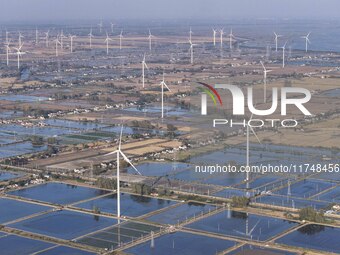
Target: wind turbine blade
[(253, 131), (251, 231), (239, 232), (128, 161), (166, 86), (111, 153), (263, 65), (146, 65)]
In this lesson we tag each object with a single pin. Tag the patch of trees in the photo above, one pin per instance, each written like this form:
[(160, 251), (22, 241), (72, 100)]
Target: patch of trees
[(106, 183), (141, 189), (310, 214), (240, 201)]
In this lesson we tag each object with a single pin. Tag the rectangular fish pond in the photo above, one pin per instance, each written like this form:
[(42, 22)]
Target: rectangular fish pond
[(243, 225)]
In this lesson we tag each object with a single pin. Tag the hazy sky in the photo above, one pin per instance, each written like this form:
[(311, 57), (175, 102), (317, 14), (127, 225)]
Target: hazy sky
[(44, 10)]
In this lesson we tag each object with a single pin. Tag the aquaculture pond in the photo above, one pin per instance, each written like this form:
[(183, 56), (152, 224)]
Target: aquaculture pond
[(332, 195), (64, 250), (5, 176), (292, 202), (11, 209), (181, 213), (58, 193), (181, 243), (18, 149), (261, 181), (10, 114), (131, 205), (315, 237), (305, 188), (22, 131), (248, 249), (74, 124), (15, 245), (64, 224), (243, 225), (124, 232)]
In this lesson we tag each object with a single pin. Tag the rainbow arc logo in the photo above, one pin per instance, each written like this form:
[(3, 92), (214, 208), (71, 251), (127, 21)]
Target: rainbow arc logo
[(209, 90)]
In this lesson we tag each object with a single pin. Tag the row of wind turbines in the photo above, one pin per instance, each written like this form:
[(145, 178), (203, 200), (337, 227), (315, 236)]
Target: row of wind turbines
[(59, 41)]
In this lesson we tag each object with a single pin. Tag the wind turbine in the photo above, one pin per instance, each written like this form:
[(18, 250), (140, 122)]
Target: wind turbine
[(71, 38), (107, 43), (46, 37), (192, 51), (20, 36), (190, 34), (143, 66), (221, 36), (19, 53), (56, 45), (248, 233), (90, 35), (283, 55), (265, 71), (120, 39), (163, 84), (61, 39), (214, 36), (150, 39), (112, 26), (276, 40), (307, 40), (36, 36), (120, 153), (100, 24), (248, 150), (7, 33), (8, 49), (231, 36)]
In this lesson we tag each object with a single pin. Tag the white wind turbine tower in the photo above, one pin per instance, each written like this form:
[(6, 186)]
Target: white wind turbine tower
[(62, 36), (265, 71), (107, 40), (120, 39), (190, 34), (120, 153), (100, 24), (56, 45), (231, 36), (150, 39), (19, 53), (163, 84), (276, 40), (90, 35), (192, 51), (71, 38), (46, 37), (248, 150), (307, 40), (112, 26), (7, 53), (143, 70), (36, 36), (7, 33), (283, 55), (221, 36), (20, 36), (214, 36)]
